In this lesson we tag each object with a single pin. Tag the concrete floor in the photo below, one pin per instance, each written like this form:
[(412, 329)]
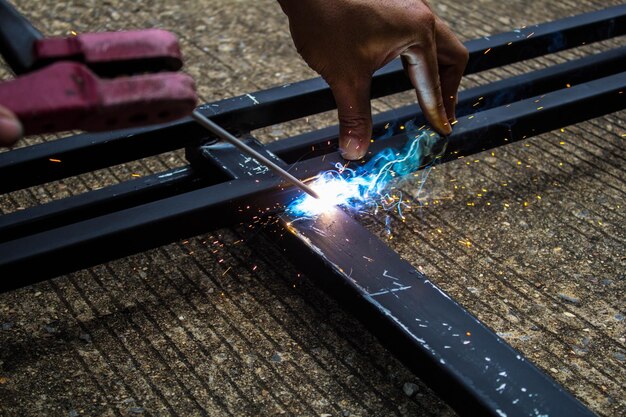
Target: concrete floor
[(530, 239)]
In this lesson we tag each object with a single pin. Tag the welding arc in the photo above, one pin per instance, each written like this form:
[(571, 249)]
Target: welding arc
[(226, 136)]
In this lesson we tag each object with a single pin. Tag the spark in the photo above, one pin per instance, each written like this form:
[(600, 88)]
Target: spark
[(54, 160), (365, 187), (467, 243)]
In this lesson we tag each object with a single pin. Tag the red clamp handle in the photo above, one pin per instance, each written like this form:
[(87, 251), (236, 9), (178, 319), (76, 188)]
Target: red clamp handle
[(112, 53), (68, 96)]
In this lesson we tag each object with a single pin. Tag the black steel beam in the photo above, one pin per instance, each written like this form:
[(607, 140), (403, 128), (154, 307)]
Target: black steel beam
[(484, 97), (86, 152), (548, 38), (17, 39), (105, 200), (467, 364), (88, 242), (166, 184)]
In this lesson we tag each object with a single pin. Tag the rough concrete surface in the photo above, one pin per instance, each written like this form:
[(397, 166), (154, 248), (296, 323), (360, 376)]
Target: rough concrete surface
[(529, 238)]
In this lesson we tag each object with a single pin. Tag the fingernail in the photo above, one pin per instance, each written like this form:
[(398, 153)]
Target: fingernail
[(353, 154), (10, 131), (447, 129)]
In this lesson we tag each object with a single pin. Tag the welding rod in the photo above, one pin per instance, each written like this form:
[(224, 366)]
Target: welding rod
[(224, 135)]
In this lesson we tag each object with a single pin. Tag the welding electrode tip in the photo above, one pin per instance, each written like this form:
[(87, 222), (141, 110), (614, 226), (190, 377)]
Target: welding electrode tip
[(226, 136)]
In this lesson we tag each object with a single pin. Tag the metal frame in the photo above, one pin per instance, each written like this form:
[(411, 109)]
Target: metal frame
[(77, 244), (217, 188)]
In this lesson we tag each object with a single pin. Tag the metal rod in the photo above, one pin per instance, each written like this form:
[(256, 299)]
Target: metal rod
[(224, 135)]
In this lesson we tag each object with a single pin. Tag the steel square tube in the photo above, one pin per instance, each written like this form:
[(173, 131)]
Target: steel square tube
[(86, 152), (104, 200), (464, 362), (483, 97)]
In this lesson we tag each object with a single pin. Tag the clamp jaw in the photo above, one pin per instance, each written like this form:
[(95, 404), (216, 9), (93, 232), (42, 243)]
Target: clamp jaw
[(92, 81)]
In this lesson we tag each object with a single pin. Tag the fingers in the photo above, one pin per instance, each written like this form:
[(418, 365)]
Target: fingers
[(449, 87), (452, 58), (420, 63), (355, 116), (10, 127)]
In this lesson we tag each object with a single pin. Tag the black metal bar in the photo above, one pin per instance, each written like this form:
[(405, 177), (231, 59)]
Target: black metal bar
[(480, 132), (17, 39), (105, 200), (78, 245), (166, 184), (82, 153), (549, 38), (470, 101), (468, 365)]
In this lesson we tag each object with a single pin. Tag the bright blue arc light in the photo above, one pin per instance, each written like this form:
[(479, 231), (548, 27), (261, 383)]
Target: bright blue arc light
[(366, 186)]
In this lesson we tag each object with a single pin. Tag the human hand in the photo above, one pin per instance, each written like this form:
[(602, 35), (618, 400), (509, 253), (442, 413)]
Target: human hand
[(346, 41), (10, 127)]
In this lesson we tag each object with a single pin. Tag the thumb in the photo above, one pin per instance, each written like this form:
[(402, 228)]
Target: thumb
[(10, 127), (355, 116)]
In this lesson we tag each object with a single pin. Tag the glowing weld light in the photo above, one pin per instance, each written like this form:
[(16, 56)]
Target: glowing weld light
[(365, 187)]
